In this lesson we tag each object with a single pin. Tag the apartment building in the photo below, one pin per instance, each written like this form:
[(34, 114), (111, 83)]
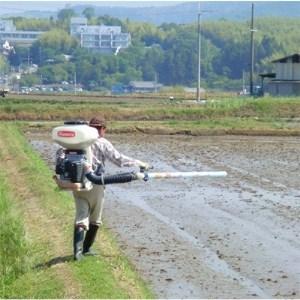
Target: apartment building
[(9, 33), (102, 38)]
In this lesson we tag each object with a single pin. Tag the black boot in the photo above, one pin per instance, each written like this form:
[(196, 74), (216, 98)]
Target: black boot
[(89, 239), (78, 242)]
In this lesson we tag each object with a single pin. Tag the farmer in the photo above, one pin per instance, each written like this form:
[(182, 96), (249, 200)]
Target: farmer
[(89, 204)]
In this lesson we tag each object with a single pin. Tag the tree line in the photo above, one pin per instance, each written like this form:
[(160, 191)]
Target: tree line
[(167, 53)]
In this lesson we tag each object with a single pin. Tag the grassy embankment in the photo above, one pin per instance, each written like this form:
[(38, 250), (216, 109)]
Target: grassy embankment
[(36, 236), (226, 116)]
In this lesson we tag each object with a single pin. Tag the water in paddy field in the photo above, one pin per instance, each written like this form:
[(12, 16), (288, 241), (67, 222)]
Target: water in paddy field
[(233, 237)]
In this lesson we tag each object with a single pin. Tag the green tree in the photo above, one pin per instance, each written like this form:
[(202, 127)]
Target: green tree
[(108, 20), (30, 80), (3, 64), (20, 56), (167, 52), (64, 16), (53, 73), (58, 40), (30, 24), (151, 62), (89, 12)]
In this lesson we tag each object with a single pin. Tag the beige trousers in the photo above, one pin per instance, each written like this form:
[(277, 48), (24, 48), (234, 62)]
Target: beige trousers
[(89, 206)]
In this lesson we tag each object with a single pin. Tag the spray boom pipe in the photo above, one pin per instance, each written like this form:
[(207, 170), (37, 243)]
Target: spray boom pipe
[(162, 175), (130, 176)]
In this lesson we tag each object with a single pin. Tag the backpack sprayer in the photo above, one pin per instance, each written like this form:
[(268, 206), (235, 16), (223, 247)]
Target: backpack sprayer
[(76, 137)]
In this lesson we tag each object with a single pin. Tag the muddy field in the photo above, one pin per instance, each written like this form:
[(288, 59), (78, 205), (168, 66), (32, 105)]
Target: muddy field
[(233, 237)]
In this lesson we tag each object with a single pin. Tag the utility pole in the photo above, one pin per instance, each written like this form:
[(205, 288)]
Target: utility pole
[(155, 82), (75, 83), (243, 82), (199, 51), (40, 55), (199, 56), (252, 30), (28, 57)]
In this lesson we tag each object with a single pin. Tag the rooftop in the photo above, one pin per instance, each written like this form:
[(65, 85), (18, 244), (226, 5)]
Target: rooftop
[(295, 58), (145, 84)]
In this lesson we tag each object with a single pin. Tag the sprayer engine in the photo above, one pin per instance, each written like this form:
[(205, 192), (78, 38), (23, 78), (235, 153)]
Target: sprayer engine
[(75, 137), (72, 166)]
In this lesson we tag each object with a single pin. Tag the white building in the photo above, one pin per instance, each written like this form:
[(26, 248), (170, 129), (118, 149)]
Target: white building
[(9, 33), (106, 39)]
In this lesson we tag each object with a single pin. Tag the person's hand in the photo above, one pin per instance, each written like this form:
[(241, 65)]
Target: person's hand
[(144, 166), (87, 167)]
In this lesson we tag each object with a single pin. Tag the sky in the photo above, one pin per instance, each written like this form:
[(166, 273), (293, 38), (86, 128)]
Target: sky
[(19, 6)]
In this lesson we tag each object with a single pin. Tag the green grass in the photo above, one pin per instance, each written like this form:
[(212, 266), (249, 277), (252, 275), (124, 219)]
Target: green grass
[(96, 276), (35, 285), (13, 246), (222, 123), (17, 276), (229, 114), (26, 109), (19, 253), (91, 272)]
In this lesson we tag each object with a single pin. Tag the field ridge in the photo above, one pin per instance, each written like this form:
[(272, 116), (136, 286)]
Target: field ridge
[(48, 220)]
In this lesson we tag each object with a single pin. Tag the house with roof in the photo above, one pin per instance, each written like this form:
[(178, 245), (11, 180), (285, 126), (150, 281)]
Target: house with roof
[(286, 78), (144, 86)]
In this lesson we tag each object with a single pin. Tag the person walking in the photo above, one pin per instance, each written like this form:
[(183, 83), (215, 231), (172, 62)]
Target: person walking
[(89, 204)]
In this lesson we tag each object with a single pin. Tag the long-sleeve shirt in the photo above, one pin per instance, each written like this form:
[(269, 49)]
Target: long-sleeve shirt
[(102, 149)]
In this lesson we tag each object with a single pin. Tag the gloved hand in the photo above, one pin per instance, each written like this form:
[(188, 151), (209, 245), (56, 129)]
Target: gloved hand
[(144, 166), (87, 168)]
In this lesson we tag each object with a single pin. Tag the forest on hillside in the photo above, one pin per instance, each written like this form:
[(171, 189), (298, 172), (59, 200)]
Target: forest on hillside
[(168, 52)]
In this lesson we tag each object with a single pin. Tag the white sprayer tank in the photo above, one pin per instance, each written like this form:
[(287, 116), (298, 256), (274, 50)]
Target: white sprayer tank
[(75, 137)]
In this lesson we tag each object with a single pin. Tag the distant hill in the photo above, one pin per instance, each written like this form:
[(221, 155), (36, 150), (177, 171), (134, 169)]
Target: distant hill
[(187, 12), (181, 13)]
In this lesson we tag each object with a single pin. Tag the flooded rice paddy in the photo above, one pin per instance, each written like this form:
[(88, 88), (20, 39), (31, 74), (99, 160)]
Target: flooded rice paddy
[(233, 237)]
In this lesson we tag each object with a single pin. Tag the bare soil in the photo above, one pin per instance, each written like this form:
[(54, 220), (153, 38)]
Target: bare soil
[(233, 237)]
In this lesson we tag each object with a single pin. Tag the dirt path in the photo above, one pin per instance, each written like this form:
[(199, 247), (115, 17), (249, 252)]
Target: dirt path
[(212, 238)]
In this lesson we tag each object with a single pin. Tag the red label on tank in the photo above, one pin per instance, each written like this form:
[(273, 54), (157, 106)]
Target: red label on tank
[(66, 133)]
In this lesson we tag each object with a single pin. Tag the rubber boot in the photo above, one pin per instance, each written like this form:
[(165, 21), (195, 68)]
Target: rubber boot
[(89, 240), (78, 242)]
